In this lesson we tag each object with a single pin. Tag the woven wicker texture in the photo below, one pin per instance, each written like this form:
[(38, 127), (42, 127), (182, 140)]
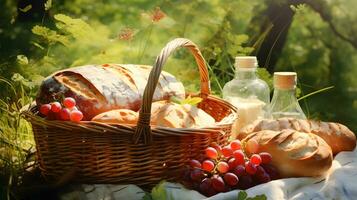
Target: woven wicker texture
[(141, 155)]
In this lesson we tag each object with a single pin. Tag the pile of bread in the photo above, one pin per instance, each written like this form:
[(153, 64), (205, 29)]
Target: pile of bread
[(112, 93), (299, 147)]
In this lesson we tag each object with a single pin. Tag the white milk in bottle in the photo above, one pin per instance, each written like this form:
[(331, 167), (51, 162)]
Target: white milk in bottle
[(247, 92)]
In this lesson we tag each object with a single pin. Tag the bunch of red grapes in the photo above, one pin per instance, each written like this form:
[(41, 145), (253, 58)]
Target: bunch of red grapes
[(228, 168), (67, 111)]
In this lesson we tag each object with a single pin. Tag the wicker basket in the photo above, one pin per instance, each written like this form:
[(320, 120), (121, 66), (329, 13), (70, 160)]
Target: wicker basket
[(141, 155)]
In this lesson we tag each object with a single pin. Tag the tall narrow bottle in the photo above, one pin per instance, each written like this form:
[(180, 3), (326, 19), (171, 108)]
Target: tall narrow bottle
[(284, 102), (247, 92)]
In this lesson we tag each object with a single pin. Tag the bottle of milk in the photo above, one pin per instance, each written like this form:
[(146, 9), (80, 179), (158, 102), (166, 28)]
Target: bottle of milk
[(247, 92)]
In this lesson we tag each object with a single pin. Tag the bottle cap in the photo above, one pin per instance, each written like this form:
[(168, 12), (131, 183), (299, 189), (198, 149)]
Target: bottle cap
[(246, 62), (285, 80)]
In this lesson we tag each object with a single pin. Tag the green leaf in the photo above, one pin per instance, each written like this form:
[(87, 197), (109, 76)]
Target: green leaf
[(50, 35), (242, 195), (147, 196), (191, 101), (258, 197), (26, 9), (38, 45), (48, 4), (176, 100), (315, 92), (22, 60), (159, 192), (78, 28)]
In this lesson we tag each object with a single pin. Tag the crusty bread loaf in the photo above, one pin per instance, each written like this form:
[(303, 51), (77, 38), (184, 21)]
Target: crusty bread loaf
[(295, 154), (100, 88), (338, 136), (163, 113), (119, 116), (169, 114)]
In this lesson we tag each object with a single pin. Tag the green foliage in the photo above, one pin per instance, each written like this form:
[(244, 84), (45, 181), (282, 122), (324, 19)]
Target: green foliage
[(16, 139), (242, 195), (323, 59), (159, 192), (189, 100)]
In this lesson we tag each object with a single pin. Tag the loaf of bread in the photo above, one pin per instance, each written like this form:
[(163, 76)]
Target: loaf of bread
[(100, 88), (295, 154), (164, 114), (119, 116), (169, 114), (338, 136)]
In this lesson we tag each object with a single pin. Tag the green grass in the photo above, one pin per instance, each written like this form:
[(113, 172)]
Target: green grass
[(16, 139)]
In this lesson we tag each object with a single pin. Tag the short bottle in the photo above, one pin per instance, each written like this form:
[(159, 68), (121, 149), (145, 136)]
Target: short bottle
[(247, 92), (284, 102)]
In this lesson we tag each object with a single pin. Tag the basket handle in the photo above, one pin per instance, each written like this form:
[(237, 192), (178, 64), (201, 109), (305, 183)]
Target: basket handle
[(143, 129)]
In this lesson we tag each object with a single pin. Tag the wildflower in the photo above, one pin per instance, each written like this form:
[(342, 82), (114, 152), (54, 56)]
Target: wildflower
[(126, 34), (157, 15)]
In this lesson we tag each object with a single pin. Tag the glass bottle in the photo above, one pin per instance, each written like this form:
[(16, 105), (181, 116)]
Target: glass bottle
[(247, 92), (284, 102)]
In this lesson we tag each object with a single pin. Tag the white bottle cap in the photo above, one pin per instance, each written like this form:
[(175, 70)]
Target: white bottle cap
[(285, 80), (246, 62)]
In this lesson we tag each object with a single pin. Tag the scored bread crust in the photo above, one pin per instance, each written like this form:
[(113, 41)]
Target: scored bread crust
[(295, 154), (169, 114), (100, 88), (338, 136), (119, 116), (163, 114)]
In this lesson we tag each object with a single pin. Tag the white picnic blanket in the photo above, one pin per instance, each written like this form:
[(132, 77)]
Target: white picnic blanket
[(340, 183)]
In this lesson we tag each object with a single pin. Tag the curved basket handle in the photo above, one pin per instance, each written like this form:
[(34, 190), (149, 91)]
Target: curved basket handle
[(143, 128)]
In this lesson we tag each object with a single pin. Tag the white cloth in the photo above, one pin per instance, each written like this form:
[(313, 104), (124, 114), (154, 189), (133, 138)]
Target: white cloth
[(339, 183)]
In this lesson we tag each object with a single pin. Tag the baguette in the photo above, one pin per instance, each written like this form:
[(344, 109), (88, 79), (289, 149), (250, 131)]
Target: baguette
[(338, 136)]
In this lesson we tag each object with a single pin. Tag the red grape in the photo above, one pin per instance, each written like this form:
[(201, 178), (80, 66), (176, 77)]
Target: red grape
[(56, 107), (222, 167), (217, 147), (260, 170), (239, 170), (218, 183), (211, 152), (250, 168), (245, 182), (45, 109), (255, 159), (235, 145), (195, 163), (252, 146), (231, 179), (69, 102), (271, 170), (262, 178), (206, 187), (227, 151), (197, 175), (266, 157), (232, 163), (207, 165), (76, 116), (239, 156), (65, 114)]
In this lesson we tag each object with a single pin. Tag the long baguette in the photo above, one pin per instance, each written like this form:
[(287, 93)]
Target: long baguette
[(338, 136)]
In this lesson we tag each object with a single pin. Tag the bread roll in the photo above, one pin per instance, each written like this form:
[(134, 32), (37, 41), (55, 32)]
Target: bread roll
[(120, 116), (295, 154), (169, 114), (338, 136), (100, 88), (163, 113)]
